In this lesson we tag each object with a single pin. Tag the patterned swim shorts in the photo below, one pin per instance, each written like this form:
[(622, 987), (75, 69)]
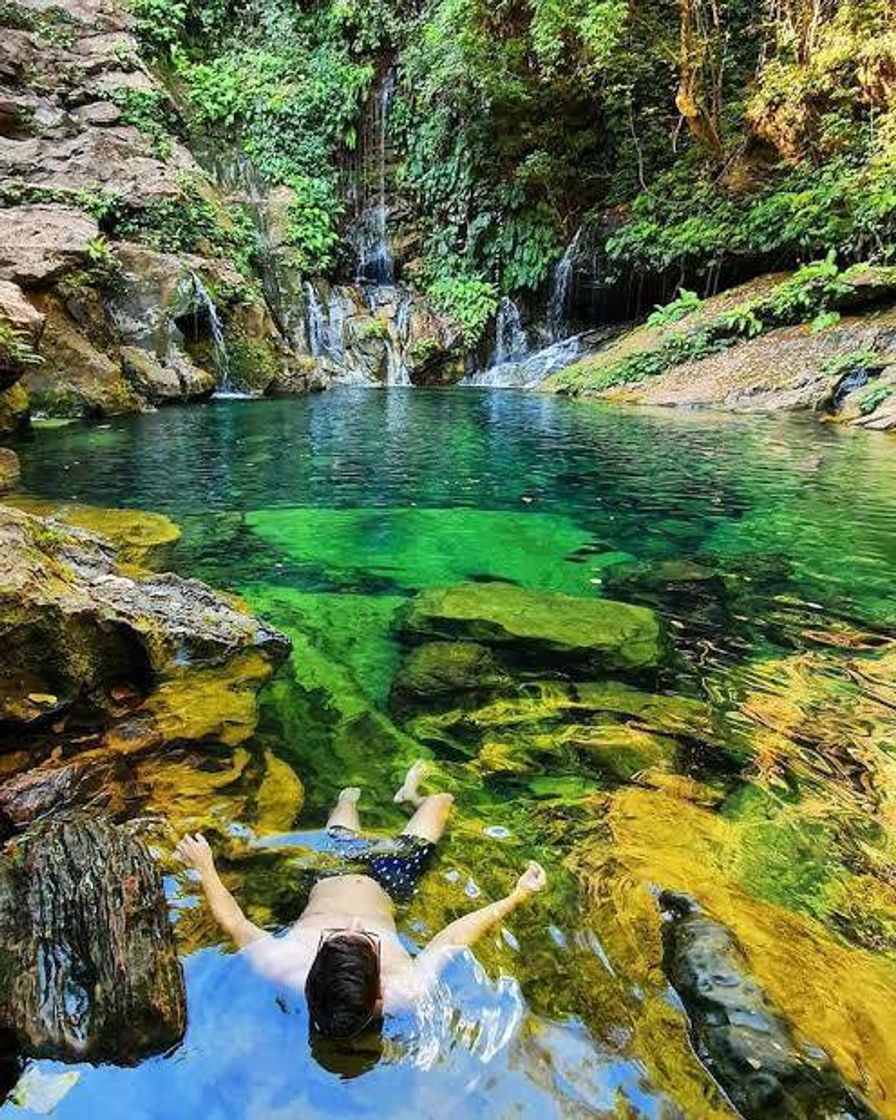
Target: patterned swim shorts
[(397, 863)]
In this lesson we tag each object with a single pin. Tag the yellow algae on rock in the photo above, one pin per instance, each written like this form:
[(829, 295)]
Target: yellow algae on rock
[(193, 792), (215, 704), (138, 536), (828, 990), (279, 797)]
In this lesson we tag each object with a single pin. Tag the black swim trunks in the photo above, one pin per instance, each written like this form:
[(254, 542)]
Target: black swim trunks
[(397, 864)]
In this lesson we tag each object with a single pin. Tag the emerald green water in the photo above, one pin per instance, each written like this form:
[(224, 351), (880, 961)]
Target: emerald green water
[(753, 766)]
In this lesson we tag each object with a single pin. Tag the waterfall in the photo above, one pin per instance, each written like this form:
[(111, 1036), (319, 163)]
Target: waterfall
[(561, 291), (511, 342), (315, 324), (335, 332), (396, 369), (220, 356), (371, 234), (529, 372)]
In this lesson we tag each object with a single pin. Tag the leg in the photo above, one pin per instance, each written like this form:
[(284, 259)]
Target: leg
[(345, 812), (431, 817)]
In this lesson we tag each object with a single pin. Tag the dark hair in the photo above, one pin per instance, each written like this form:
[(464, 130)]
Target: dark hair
[(343, 986)]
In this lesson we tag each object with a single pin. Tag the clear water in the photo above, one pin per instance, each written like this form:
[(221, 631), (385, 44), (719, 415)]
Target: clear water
[(769, 548)]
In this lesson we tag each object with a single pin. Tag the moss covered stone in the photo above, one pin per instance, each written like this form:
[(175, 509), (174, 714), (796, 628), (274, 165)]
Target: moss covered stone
[(443, 669), (138, 537), (610, 634)]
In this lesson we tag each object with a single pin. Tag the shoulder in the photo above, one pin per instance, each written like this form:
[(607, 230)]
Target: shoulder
[(285, 960)]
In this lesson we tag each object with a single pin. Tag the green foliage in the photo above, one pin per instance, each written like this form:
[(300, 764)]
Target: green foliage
[(194, 224), (852, 362), (874, 397), (159, 23), (682, 305), (152, 112), (469, 300), (376, 329), (15, 347)]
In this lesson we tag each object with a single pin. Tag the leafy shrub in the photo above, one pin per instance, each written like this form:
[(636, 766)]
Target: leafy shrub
[(469, 300), (683, 305)]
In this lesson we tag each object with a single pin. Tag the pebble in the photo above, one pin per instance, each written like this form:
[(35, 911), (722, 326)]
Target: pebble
[(497, 831)]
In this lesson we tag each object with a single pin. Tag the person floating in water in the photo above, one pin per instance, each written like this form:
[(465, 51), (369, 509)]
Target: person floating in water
[(344, 950)]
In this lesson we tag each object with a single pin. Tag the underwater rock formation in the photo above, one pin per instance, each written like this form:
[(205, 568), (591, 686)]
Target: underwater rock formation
[(603, 632), (746, 1044), (89, 969), (75, 626)]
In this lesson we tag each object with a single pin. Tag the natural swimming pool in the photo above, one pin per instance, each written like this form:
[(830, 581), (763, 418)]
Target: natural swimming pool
[(751, 767)]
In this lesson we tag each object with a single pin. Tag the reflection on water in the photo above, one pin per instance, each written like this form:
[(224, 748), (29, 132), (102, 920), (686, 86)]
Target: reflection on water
[(752, 768)]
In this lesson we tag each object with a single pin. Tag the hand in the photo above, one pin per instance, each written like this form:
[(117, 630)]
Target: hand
[(195, 852), (532, 880)]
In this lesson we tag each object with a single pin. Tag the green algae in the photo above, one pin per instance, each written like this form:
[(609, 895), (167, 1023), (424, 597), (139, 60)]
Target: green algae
[(415, 548), (613, 635)]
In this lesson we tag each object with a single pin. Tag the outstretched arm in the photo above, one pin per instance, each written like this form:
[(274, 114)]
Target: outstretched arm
[(465, 931), (195, 852)]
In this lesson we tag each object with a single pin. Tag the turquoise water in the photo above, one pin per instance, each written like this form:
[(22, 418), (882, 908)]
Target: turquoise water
[(768, 548)]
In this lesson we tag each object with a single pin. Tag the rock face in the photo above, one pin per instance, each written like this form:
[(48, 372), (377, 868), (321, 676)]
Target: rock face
[(747, 1046), (73, 624), (40, 244), (608, 634), (89, 969)]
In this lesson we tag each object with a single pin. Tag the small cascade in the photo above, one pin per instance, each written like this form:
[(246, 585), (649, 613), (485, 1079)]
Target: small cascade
[(511, 341), (371, 233), (337, 313), (396, 370), (315, 323), (531, 370), (561, 291), (204, 301)]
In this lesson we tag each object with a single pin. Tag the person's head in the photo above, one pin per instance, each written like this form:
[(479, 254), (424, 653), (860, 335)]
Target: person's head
[(343, 985)]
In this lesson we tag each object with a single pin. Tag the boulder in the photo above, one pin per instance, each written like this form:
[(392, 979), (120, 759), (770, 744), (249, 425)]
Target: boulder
[(100, 779), (535, 624), (14, 407), (175, 379), (116, 159), (439, 670), (40, 243), (748, 1047), (9, 470), (89, 968), (21, 325), (75, 378), (73, 625)]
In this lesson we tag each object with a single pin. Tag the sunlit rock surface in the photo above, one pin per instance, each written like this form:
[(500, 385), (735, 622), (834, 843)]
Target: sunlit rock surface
[(75, 626)]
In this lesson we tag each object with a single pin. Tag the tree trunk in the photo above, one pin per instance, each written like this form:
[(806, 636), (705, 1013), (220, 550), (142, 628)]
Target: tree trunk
[(88, 965)]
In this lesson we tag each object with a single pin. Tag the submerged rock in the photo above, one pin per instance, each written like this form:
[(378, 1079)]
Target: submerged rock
[(443, 669), (73, 624), (101, 779), (746, 1044), (89, 969), (536, 623)]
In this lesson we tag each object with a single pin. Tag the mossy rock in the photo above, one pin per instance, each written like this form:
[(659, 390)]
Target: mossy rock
[(138, 537), (444, 669), (620, 751), (602, 632)]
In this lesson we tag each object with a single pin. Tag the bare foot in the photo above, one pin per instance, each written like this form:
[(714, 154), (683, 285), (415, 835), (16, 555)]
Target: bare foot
[(409, 790), (350, 794)]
